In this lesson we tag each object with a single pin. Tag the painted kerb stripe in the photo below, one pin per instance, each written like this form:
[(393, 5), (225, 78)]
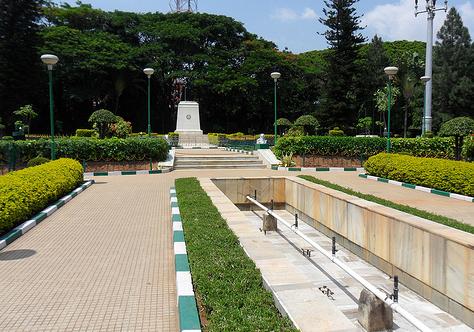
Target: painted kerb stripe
[(318, 169), (187, 308), (125, 173), (29, 224), (419, 188)]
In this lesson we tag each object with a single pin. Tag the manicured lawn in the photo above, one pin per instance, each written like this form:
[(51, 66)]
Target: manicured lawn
[(404, 208), (228, 286)]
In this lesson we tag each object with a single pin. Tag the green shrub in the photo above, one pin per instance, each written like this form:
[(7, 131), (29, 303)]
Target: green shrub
[(363, 147), (7, 138), (468, 149), (428, 134), (295, 131), (90, 149), (446, 175), (227, 282), (86, 133), (336, 132), (122, 128), (26, 192), (103, 119), (37, 161)]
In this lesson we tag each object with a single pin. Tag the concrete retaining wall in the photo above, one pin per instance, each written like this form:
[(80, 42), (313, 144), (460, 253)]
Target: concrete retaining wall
[(434, 260)]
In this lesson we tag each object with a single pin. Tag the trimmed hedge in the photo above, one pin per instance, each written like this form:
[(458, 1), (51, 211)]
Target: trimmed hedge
[(89, 149), (447, 175), (26, 192), (363, 147), (228, 285), (86, 133)]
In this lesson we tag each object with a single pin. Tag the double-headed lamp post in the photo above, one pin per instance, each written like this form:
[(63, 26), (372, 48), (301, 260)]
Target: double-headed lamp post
[(148, 72), (275, 76), (424, 79), (391, 72), (50, 60), (430, 11)]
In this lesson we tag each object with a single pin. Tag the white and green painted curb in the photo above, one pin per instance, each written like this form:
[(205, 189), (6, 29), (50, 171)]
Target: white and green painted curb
[(420, 188), (239, 151), (120, 173), (29, 224), (187, 308), (318, 169)]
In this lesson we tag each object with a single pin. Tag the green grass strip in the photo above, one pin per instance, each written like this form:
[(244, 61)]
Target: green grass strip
[(228, 285), (404, 208)]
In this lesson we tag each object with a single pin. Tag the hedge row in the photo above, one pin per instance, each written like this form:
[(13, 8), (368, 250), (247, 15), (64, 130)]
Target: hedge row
[(26, 192), (364, 147), (447, 175), (88, 149), (228, 285)]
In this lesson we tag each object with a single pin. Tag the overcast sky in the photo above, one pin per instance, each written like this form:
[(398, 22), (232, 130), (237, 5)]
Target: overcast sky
[(294, 23)]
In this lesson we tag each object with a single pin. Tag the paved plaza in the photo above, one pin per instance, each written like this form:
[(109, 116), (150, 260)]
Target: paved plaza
[(104, 261)]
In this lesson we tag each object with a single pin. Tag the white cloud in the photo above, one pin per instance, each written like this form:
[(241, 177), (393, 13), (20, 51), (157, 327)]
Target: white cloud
[(287, 14), (397, 21), (309, 14)]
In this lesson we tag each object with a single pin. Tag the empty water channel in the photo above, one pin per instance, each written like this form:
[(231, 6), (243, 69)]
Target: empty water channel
[(434, 263)]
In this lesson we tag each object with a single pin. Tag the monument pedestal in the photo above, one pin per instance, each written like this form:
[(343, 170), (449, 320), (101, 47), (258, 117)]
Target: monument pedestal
[(188, 125)]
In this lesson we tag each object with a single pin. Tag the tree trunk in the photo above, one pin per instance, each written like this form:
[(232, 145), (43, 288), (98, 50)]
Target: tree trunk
[(405, 123)]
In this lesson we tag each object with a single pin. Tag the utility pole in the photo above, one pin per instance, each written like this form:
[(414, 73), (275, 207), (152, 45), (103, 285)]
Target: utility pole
[(430, 12)]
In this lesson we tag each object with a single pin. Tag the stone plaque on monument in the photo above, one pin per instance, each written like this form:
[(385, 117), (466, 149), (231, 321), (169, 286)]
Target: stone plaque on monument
[(188, 122)]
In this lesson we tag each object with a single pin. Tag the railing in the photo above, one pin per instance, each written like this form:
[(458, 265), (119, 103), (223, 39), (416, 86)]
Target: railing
[(393, 303)]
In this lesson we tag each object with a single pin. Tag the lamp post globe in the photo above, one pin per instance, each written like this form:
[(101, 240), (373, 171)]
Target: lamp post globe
[(275, 75), (148, 71), (390, 72), (50, 60)]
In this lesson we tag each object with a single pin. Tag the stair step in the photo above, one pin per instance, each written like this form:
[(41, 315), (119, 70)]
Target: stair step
[(217, 161), (219, 166)]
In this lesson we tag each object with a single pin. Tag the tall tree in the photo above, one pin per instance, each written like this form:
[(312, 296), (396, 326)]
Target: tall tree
[(343, 37), (372, 77), (453, 78), (19, 62)]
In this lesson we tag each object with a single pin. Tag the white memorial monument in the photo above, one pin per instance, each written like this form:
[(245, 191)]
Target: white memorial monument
[(188, 125), (188, 122)]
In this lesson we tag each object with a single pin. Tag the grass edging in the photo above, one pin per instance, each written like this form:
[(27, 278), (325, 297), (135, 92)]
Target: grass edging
[(400, 207), (228, 285)]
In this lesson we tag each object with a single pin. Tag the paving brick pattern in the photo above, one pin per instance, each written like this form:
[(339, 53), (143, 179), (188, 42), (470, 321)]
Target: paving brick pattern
[(103, 262)]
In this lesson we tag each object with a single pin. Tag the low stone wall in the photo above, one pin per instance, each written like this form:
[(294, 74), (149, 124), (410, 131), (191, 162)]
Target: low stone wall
[(101, 166), (434, 260), (326, 161)]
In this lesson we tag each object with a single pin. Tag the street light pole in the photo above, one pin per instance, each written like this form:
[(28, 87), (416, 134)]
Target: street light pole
[(275, 76), (391, 72), (148, 72), (50, 60), (424, 79), (430, 12)]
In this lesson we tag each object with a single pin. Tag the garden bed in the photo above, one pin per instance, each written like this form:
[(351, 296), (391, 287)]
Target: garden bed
[(228, 285)]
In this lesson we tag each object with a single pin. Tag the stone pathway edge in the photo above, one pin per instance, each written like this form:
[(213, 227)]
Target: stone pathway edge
[(318, 169), (419, 188), (119, 173), (29, 224), (187, 308)]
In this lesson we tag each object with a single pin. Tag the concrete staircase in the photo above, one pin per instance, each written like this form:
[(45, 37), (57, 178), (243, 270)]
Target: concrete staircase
[(215, 159)]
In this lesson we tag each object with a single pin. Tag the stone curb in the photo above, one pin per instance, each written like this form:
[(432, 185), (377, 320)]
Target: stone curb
[(318, 169), (29, 224), (420, 188), (187, 309), (119, 173), (239, 151)]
